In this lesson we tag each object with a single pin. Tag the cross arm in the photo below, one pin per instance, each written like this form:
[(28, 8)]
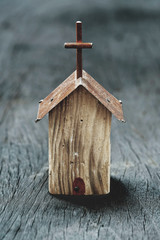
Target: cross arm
[(78, 45)]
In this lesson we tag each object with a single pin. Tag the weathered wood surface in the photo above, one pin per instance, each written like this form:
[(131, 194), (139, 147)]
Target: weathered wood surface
[(70, 84), (125, 60), (79, 144)]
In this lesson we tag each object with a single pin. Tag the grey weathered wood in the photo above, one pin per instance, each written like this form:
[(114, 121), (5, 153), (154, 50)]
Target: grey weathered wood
[(125, 60)]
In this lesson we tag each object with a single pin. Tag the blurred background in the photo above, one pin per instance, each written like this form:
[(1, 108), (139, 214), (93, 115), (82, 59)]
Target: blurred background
[(125, 35), (125, 59)]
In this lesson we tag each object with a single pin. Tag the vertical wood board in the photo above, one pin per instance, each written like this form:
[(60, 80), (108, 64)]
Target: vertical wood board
[(79, 144)]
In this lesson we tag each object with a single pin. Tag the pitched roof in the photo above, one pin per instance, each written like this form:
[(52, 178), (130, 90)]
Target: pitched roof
[(69, 85)]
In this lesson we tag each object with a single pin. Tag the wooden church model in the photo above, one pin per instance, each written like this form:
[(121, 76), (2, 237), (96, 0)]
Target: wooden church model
[(80, 112)]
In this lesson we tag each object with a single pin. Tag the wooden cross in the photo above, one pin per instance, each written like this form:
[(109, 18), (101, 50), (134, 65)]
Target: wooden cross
[(78, 45)]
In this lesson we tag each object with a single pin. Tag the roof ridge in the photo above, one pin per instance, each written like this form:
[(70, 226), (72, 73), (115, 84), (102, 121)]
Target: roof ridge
[(71, 84)]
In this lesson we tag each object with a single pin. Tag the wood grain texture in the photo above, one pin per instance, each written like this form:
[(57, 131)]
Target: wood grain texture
[(125, 61), (79, 144), (70, 84)]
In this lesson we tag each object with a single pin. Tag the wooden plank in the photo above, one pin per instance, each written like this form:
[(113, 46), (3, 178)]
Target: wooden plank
[(56, 96), (107, 99), (79, 144), (70, 84)]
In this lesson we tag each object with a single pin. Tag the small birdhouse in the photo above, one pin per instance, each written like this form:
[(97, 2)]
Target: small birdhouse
[(80, 112)]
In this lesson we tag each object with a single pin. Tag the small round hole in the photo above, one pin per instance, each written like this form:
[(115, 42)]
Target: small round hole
[(76, 189), (81, 120)]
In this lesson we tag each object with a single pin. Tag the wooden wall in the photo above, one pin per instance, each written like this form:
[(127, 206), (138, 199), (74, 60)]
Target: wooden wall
[(79, 144)]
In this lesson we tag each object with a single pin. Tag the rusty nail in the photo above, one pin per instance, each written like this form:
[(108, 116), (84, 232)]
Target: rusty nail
[(37, 120)]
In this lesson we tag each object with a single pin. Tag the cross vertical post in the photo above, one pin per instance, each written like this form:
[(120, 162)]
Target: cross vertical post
[(78, 45), (79, 51)]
